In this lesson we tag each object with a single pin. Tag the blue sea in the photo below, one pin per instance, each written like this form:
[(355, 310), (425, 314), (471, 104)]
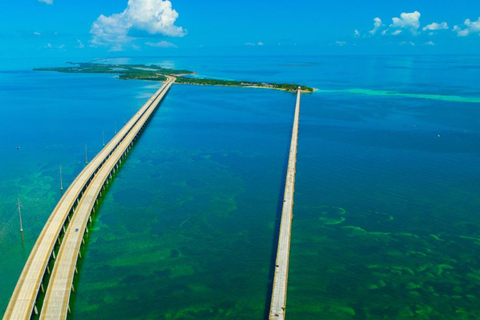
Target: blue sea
[(386, 217)]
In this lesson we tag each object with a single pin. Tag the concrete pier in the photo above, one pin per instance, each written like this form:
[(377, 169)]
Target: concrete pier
[(279, 292), (64, 218)]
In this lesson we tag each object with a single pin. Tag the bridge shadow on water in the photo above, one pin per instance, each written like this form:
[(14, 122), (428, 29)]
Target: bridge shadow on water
[(90, 225), (94, 215), (276, 234)]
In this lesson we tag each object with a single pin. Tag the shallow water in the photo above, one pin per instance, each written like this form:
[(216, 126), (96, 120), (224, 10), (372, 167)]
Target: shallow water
[(386, 215), (186, 230)]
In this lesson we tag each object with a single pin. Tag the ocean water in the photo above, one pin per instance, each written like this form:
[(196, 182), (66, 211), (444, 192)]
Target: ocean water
[(386, 217)]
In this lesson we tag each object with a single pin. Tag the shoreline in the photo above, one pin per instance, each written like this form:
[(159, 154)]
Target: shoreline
[(157, 73), (256, 87)]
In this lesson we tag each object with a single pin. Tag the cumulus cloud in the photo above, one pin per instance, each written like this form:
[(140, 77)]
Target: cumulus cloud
[(409, 21), (469, 27), (356, 33), (430, 43), (46, 1), (161, 44), (436, 26), (377, 24), (152, 16), (36, 33)]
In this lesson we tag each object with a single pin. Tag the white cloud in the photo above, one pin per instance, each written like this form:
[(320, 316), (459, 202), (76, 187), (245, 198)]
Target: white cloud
[(80, 44), (260, 43), (340, 43), (405, 43), (254, 44), (50, 46), (37, 33), (470, 27), (356, 33), (152, 16), (430, 43), (377, 23), (436, 26), (161, 44), (409, 21), (46, 1)]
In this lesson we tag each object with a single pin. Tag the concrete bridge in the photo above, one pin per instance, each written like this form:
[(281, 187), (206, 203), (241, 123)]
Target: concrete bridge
[(279, 292), (58, 245)]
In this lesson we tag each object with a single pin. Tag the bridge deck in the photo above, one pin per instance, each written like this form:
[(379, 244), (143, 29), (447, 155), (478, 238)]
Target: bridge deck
[(279, 292), (23, 301), (56, 303)]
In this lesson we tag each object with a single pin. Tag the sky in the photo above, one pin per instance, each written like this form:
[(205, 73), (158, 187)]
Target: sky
[(75, 28)]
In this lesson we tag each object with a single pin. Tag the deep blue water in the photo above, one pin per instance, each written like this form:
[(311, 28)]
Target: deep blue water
[(386, 209)]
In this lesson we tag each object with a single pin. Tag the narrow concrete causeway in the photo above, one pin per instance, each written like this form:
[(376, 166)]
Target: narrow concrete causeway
[(67, 225), (279, 291)]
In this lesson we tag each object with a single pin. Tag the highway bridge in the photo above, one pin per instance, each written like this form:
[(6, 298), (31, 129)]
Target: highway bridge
[(54, 255), (278, 303)]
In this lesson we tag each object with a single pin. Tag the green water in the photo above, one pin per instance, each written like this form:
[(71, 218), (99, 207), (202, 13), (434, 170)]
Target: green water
[(192, 213), (438, 97), (386, 222), (386, 214)]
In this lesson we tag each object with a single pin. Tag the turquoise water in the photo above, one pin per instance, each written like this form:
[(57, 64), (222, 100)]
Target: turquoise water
[(386, 210), (192, 237)]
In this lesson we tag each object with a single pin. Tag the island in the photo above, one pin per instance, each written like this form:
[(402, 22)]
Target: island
[(157, 73)]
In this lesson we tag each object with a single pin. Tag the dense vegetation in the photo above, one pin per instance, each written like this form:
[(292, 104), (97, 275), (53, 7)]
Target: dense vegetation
[(157, 73), (125, 71), (216, 82)]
